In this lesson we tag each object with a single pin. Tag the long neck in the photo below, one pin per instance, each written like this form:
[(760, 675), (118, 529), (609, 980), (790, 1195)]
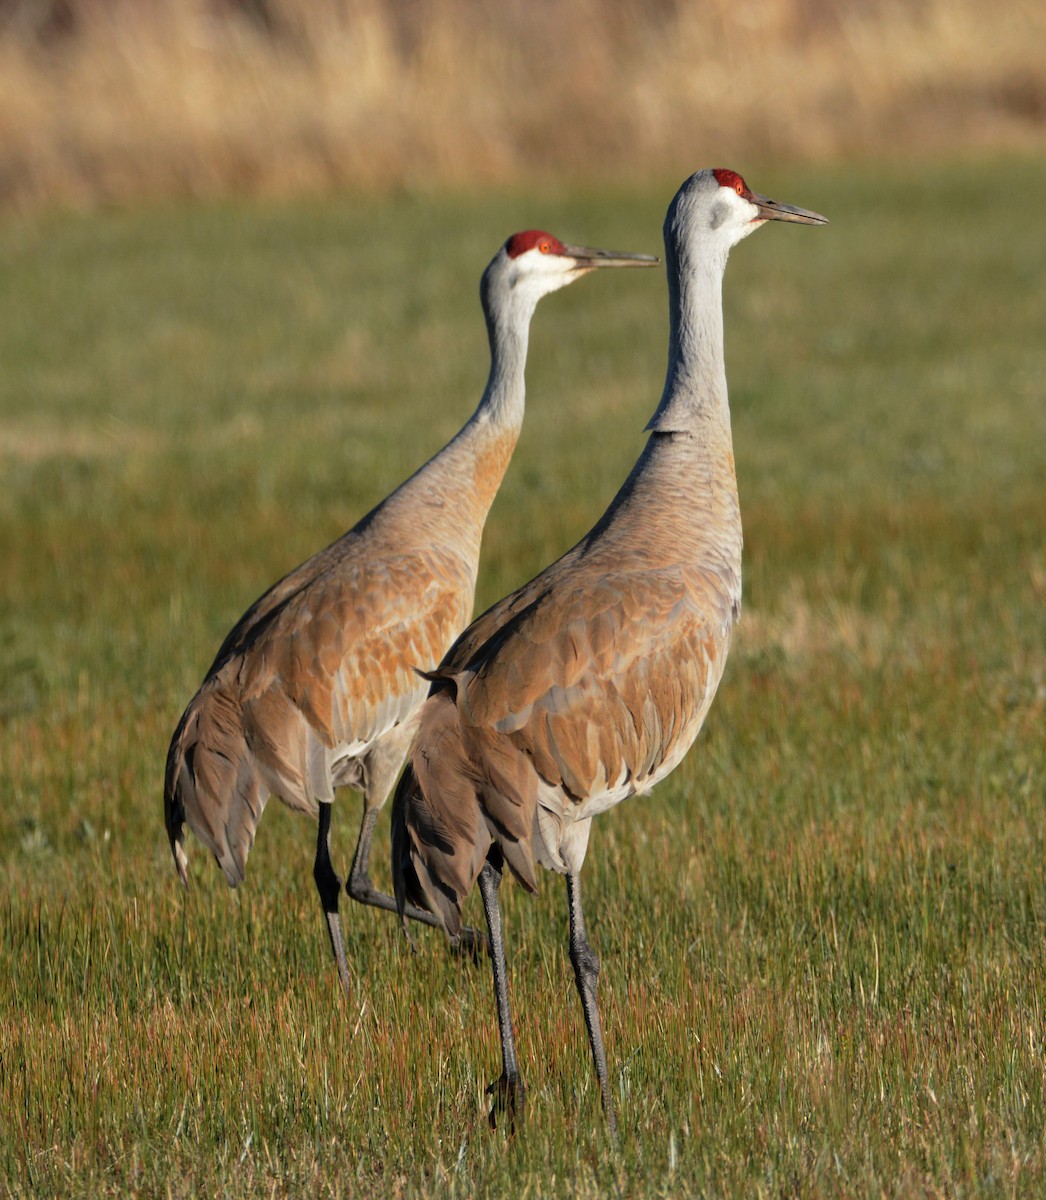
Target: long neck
[(448, 499), (679, 504), (695, 393), (508, 332)]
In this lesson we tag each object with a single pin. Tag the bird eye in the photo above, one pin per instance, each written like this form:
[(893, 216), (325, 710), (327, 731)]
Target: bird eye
[(739, 187), (544, 247)]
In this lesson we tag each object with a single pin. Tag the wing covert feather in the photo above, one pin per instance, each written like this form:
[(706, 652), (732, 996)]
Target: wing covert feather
[(315, 683), (597, 686), (346, 652), (585, 692)]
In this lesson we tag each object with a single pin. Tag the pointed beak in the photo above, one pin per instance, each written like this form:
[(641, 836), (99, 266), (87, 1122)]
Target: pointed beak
[(773, 210), (587, 258)]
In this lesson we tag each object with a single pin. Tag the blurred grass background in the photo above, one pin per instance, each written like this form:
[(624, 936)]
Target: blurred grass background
[(104, 100), (239, 261)]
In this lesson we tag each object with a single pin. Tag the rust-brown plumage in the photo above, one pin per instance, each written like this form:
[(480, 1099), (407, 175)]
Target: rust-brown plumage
[(590, 683), (586, 685), (315, 686)]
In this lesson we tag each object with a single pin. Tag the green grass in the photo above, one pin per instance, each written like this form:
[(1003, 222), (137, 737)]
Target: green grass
[(822, 937)]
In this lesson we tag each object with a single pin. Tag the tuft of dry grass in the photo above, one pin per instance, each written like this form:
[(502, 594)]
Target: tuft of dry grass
[(113, 100)]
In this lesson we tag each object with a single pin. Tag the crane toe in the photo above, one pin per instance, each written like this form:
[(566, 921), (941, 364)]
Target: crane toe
[(473, 944), (509, 1102)]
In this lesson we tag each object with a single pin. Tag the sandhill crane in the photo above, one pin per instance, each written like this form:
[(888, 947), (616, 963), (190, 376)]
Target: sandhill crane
[(590, 683), (315, 685)]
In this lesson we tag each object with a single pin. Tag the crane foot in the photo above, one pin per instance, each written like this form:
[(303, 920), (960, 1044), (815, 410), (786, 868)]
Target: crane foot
[(472, 944), (509, 1103)]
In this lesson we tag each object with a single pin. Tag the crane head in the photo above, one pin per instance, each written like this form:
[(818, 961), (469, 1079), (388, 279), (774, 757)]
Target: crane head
[(716, 205), (765, 208), (575, 260), (533, 263)]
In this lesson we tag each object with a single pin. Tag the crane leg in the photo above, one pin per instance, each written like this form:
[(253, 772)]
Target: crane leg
[(508, 1092), (360, 887), (328, 884), (363, 891), (586, 975)]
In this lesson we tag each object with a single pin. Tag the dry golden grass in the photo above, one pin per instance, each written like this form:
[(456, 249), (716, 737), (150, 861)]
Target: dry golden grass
[(116, 99)]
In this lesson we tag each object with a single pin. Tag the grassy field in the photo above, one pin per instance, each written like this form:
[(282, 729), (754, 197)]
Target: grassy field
[(822, 937)]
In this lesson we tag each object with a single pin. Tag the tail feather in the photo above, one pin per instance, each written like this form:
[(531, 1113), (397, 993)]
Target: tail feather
[(214, 784), (176, 778), (507, 793), (414, 880), (463, 789)]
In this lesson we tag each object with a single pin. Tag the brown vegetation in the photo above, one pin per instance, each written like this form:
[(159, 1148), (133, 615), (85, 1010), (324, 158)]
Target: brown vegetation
[(115, 99)]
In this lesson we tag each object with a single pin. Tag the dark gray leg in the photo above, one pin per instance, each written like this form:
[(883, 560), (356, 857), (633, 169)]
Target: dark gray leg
[(360, 887), (586, 973), (508, 1092), (380, 766), (363, 891), (329, 886)]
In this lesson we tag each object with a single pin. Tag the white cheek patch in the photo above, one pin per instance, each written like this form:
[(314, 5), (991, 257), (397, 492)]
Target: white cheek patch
[(720, 212)]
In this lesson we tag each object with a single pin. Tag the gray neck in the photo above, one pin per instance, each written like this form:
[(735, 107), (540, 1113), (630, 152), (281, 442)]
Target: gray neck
[(463, 477), (508, 332), (695, 384)]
